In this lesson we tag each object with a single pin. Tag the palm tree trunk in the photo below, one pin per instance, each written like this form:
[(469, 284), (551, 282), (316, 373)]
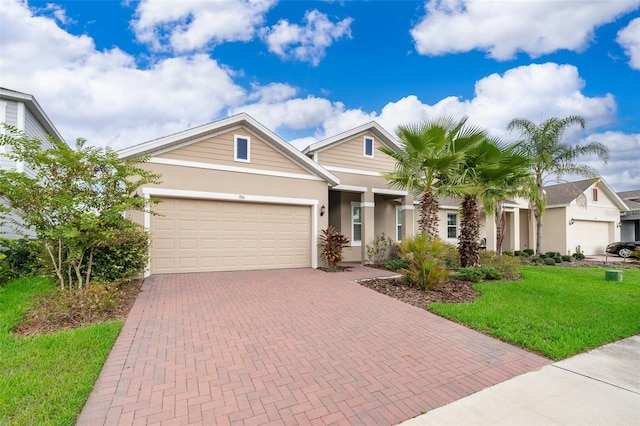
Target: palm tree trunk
[(499, 219), (538, 233), (469, 232), (428, 222)]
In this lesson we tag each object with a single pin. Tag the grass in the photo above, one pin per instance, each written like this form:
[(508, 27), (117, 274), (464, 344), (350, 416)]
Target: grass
[(556, 311), (46, 379)]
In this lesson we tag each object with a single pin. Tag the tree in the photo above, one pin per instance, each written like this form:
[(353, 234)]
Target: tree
[(431, 152), (72, 199), (550, 157), (489, 172)]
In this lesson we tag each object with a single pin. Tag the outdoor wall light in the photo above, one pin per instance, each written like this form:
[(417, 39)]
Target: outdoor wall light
[(619, 224), (571, 222), (323, 209), (136, 195)]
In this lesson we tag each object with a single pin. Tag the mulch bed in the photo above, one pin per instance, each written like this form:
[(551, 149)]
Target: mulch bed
[(452, 291), (50, 314)]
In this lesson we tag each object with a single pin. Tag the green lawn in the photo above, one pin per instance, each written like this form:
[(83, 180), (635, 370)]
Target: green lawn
[(46, 380), (554, 310)]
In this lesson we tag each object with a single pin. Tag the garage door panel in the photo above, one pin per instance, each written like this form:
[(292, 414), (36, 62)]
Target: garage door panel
[(591, 236), (199, 235)]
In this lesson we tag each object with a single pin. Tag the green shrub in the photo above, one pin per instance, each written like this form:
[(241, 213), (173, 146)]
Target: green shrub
[(490, 273), (567, 258), (332, 243), (519, 253), (558, 259), (426, 268), (508, 266), (578, 256), (475, 275), (123, 255), (538, 260), (528, 252), (552, 254), (20, 258), (549, 261), (381, 250), (507, 253), (636, 253), (396, 264)]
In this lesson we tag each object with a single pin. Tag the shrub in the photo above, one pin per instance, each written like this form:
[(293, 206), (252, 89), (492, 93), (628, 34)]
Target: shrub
[(519, 253), (332, 243), (381, 250), (426, 268), (490, 273), (538, 260), (528, 252), (558, 259), (567, 258), (508, 266), (636, 253), (507, 253), (549, 261), (552, 254), (475, 275), (578, 255), (123, 255), (20, 258), (396, 264)]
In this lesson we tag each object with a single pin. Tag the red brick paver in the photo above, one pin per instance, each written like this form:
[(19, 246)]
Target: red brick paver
[(297, 346)]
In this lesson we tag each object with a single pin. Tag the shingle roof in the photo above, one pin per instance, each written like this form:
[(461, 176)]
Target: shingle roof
[(564, 193), (630, 195)]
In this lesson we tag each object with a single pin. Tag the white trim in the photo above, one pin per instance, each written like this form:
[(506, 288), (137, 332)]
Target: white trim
[(3, 119), (407, 207), (184, 163), (364, 146), (180, 193), (147, 227), (352, 171), (235, 149), (373, 127), (386, 191), (350, 188), (20, 116), (398, 209), (456, 226), (367, 204), (355, 243)]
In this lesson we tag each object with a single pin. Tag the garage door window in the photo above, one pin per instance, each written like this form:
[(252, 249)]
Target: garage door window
[(242, 146)]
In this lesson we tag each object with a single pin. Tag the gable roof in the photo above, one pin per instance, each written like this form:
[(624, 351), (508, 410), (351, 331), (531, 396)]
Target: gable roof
[(197, 133), (630, 195), (563, 194), (34, 108), (373, 127)]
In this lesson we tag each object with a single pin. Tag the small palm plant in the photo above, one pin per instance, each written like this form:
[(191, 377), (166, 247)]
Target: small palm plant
[(332, 244), (426, 259)]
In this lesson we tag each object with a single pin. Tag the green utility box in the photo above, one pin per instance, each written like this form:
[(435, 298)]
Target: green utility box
[(613, 275)]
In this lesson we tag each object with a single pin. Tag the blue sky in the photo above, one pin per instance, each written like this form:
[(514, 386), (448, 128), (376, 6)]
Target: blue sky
[(121, 73)]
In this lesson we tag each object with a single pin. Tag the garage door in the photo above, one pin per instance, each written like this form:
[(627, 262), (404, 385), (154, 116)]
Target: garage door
[(204, 235), (592, 236)]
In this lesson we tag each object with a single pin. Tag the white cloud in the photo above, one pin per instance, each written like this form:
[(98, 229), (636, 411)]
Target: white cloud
[(190, 25), (503, 28), (295, 113), (622, 172), (103, 96), (306, 43), (273, 92), (629, 39)]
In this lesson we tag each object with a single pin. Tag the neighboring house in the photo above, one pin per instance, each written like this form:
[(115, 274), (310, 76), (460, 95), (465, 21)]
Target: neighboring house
[(363, 205), (22, 111), (630, 220), (583, 214)]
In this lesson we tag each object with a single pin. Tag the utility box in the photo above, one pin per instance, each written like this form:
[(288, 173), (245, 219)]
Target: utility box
[(612, 275)]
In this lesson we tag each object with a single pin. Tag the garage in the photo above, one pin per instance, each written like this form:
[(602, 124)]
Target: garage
[(194, 235), (591, 236)]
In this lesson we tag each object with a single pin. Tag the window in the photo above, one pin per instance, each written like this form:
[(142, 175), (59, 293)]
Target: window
[(452, 225), (594, 194), (398, 224), (368, 147), (356, 224), (241, 148)]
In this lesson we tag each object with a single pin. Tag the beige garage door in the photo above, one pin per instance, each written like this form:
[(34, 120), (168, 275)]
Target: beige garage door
[(203, 235), (592, 236)]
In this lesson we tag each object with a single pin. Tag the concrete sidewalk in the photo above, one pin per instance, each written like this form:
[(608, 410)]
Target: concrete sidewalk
[(600, 387)]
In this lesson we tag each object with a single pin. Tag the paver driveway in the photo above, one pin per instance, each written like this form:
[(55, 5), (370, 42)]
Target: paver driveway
[(296, 346)]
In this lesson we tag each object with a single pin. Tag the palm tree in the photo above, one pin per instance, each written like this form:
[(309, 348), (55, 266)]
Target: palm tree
[(491, 171), (550, 157), (432, 151)]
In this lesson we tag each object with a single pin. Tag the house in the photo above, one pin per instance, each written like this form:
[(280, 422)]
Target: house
[(582, 215), (630, 220), (22, 111), (363, 205)]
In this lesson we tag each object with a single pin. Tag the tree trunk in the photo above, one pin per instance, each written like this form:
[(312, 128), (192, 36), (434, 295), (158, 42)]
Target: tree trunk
[(428, 222), (469, 232), (57, 266), (538, 233), (499, 219)]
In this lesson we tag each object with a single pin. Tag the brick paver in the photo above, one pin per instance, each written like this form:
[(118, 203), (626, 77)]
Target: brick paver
[(297, 346)]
